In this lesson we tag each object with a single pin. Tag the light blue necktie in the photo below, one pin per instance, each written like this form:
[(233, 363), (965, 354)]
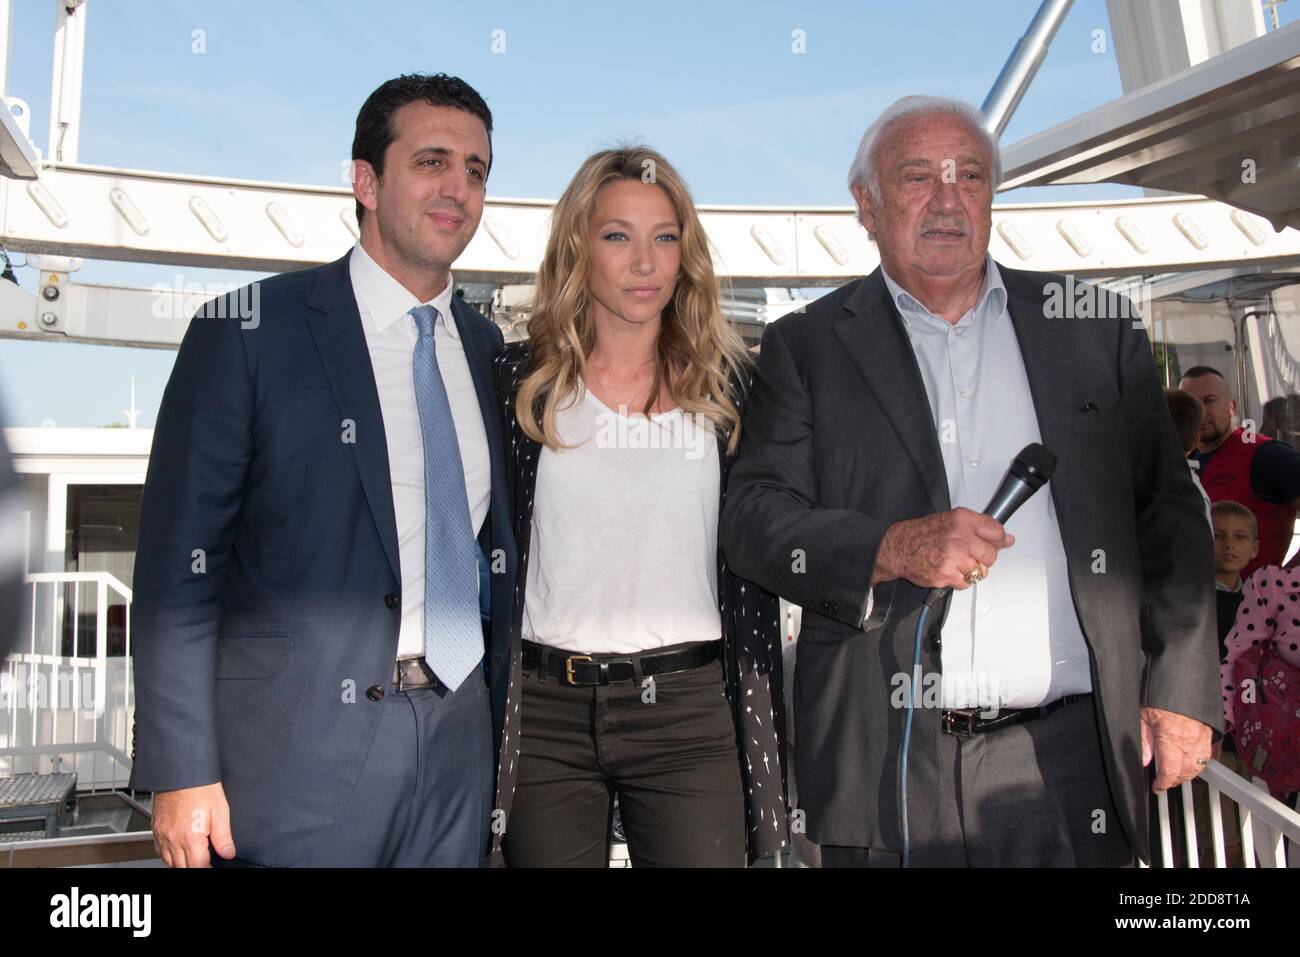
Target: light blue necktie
[(453, 633)]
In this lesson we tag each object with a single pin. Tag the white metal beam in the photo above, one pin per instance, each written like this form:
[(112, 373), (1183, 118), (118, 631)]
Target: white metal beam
[(101, 213), (1226, 128), (1158, 38), (1107, 238), (97, 314), (18, 159)]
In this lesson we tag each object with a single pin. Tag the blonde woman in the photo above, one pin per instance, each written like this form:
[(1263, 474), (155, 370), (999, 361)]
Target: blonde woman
[(642, 668)]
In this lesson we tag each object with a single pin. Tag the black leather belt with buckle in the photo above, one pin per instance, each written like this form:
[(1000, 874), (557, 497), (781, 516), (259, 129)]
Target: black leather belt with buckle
[(967, 722), (412, 673), (590, 670)]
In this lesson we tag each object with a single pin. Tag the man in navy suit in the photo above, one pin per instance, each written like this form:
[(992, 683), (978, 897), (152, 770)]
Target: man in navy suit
[(325, 564)]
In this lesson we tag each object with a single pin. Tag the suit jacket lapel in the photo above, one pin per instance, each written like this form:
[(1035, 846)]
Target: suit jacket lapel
[(875, 340), (478, 353), (1044, 347), (341, 342)]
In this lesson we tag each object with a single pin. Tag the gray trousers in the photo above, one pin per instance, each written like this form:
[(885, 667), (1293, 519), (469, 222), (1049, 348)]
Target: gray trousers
[(1029, 795), (425, 794)]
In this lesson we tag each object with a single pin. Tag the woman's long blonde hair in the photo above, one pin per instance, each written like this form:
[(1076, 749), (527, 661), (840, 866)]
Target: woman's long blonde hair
[(697, 353)]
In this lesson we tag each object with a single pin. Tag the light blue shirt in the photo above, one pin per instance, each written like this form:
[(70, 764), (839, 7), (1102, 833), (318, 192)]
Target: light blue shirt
[(1013, 640)]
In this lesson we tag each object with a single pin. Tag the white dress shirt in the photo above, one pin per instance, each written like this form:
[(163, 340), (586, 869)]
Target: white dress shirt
[(1014, 639), (385, 306)]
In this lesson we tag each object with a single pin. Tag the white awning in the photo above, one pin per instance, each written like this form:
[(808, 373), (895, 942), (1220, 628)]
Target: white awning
[(1228, 129)]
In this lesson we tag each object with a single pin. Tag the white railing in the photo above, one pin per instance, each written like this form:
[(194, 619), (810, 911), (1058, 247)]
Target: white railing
[(58, 707), (1263, 823)]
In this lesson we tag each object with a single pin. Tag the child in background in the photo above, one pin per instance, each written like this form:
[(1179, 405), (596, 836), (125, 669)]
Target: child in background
[(1187, 414), (1236, 542), (1269, 615)]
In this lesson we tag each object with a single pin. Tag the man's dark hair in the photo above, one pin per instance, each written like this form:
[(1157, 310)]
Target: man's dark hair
[(375, 131), (1187, 412), (1195, 372)]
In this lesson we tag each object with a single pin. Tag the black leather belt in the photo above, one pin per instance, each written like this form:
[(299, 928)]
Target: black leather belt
[(412, 673), (590, 670), (966, 722)]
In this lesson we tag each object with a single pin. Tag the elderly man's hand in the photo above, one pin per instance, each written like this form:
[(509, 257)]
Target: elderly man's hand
[(940, 550), (1180, 745)]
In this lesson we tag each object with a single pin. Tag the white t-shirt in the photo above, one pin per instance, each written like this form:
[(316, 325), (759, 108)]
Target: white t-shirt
[(625, 529)]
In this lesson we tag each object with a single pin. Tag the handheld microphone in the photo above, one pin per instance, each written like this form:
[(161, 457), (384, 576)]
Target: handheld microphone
[(1029, 471)]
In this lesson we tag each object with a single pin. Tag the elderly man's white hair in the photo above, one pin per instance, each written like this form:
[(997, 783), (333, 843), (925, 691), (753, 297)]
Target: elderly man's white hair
[(863, 169)]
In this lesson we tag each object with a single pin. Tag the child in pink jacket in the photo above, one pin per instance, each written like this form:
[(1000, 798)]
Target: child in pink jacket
[(1269, 612)]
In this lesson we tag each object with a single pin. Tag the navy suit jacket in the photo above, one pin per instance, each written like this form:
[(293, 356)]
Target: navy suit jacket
[(267, 585)]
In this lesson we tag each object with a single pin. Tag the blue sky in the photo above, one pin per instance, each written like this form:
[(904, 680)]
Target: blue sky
[(713, 85)]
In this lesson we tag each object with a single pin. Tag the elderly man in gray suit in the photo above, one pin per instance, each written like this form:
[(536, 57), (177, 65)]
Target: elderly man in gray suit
[(1077, 641)]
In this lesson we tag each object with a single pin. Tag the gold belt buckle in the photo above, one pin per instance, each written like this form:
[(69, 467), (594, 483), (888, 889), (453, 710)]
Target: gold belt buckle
[(568, 667)]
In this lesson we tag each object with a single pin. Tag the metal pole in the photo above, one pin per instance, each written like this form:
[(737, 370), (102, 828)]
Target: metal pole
[(1019, 70), (65, 92), (6, 26)]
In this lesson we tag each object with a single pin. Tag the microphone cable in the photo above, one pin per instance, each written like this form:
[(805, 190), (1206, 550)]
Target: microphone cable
[(1029, 471)]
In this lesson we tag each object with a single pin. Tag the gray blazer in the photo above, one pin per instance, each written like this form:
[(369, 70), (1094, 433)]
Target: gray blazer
[(838, 443)]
